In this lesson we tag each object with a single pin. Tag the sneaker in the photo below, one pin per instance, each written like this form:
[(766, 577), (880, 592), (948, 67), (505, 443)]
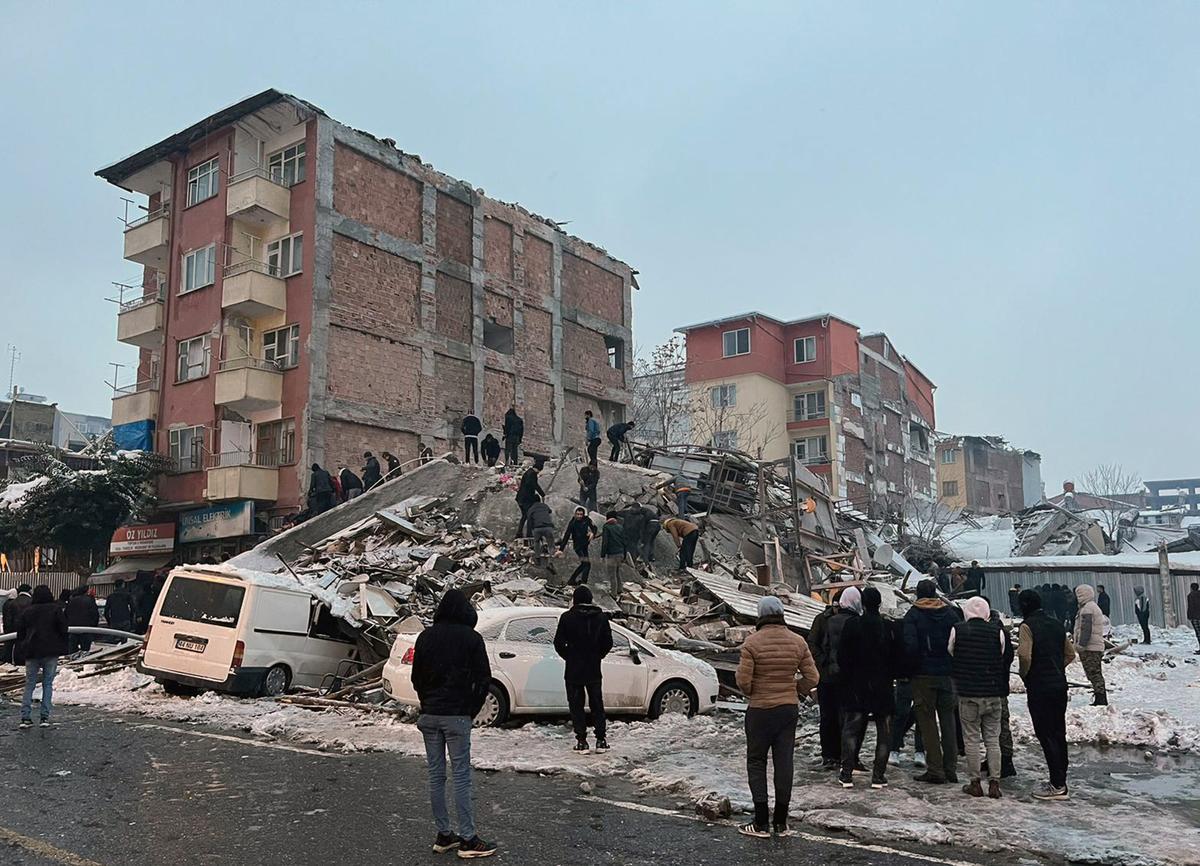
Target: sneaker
[(930, 778), (1007, 769), (860, 767), (973, 789), (26, 723), (1050, 792), (994, 789), (446, 842), (475, 847), (602, 745), (878, 782), (919, 759), (754, 830), (894, 759), (45, 723), (846, 780), (782, 831), (581, 746)]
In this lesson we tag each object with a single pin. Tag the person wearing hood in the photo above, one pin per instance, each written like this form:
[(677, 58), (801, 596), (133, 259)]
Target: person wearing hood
[(320, 490), (1103, 601), (828, 696), (528, 492), (927, 626), (540, 520), (451, 675), (513, 432), (41, 639), (352, 486), (1089, 641), (82, 611), (613, 549), (849, 606), (470, 428), (491, 449), (1043, 652), (11, 614), (580, 531), (982, 657), (865, 655), (1141, 609), (1193, 612), (589, 480), (583, 639), (370, 471), (767, 672)]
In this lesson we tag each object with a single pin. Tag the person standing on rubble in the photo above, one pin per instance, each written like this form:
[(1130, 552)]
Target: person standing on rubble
[(616, 438), (866, 655), (513, 432), (976, 579), (682, 489), (633, 520), (582, 640), (528, 492), (1141, 609), (613, 549), (352, 485), (490, 447), (686, 535), (580, 531), (828, 696), (982, 657), (393, 463), (370, 471), (927, 626), (849, 607), (1043, 652), (650, 533), (320, 490), (591, 435), (470, 428), (451, 675), (1089, 642), (540, 520), (767, 672), (589, 479), (1193, 612)]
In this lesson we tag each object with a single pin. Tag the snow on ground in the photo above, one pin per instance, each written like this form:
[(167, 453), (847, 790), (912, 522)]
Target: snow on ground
[(1113, 818), (993, 539)]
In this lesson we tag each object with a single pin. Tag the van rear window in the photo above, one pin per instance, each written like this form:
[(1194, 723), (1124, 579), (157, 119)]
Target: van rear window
[(203, 601)]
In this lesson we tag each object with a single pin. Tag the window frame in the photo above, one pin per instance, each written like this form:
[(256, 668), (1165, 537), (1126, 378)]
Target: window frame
[(210, 276), (293, 346), (275, 248), (952, 453), (807, 460), (803, 414), (946, 493), (735, 332), (283, 441), (726, 439), (281, 158), (804, 341), (209, 169), (175, 449), (202, 339), (551, 632), (723, 396)]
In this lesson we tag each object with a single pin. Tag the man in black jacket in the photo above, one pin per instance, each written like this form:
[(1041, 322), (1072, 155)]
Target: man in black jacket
[(41, 639), (471, 427), (927, 626), (451, 675), (540, 521), (320, 490), (1193, 611), (866, 655), (11, 615), (118, 608), (583, 639), (616, 438), (82, 611), (580, 531), (828, 696), (976, 579), (633, 521), (1044, 651), (528, 492), (513, 432), (352, 486), (491, 449), (370, 471), (1103, 601)]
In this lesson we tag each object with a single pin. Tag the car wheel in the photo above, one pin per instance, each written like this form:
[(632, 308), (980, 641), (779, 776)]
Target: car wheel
[(179, 690), (495, 708), (276, 682), (674, 697)]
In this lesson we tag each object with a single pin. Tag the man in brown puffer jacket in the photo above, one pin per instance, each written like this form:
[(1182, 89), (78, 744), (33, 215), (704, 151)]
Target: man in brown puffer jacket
[(771, 658)]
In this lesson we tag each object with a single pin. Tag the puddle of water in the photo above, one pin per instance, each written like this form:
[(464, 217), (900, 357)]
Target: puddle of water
[(1169, 780)]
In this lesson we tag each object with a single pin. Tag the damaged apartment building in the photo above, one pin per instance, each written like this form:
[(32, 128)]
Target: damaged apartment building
[(310, 292), (985, 475), (849, 406)]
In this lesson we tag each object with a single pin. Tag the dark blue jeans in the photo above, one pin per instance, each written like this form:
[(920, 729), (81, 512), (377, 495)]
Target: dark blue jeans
[(449, 734)]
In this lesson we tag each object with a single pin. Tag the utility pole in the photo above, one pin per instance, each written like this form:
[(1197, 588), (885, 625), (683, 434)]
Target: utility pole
[(14, 356)]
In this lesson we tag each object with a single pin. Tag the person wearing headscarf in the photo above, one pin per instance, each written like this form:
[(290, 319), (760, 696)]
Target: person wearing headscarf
[(865, 654), (982, 658), (770, 660), (849, 607), (1089, 641)]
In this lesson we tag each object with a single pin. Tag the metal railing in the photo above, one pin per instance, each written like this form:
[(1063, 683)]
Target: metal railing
[(156, 296), (263, 459), (248, 363), (258, 171), (162, 211), (135, 388), (252, 265), (793, 416)]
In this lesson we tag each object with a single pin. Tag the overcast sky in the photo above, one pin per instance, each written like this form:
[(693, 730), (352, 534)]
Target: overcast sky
[(1008, 190)]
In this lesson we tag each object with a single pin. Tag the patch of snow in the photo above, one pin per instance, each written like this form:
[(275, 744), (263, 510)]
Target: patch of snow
[(13, 496)]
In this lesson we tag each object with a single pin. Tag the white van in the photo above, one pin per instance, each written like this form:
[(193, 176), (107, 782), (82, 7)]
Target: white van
[(211, 630)]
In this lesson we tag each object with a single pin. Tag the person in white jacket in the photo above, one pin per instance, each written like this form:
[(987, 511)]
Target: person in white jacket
[(1089, 641)]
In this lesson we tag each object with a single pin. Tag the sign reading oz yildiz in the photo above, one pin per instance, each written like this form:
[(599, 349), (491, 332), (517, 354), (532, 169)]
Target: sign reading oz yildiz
[(152, 538)]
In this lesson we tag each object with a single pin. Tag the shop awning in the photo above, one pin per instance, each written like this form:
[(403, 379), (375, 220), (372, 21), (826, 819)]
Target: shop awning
[(128, 565)]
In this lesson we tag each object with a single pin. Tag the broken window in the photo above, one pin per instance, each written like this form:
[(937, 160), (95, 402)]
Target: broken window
[(187, 449), (192, 359), (807, 407), (949, 488), (725, 439), (918, 436), (616, 352), (498, 338), (736, 342), (812, 450), (806, 350), (724, 396)]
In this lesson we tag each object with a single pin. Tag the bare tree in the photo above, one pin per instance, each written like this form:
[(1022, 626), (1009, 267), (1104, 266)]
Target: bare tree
[(925, 533), (1112, 487), (661, 398), (720, 418)]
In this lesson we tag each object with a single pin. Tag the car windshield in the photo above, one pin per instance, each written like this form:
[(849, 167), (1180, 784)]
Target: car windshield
[(203, 601)]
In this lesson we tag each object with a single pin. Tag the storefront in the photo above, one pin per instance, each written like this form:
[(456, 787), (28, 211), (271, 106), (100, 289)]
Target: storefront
[(133, 549), (216, 533)]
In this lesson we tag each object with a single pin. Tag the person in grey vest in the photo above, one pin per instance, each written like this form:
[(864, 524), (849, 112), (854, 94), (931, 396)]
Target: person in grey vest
[(981, 659)]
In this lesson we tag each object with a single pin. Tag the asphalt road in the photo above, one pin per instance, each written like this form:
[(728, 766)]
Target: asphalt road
[(99, 789)]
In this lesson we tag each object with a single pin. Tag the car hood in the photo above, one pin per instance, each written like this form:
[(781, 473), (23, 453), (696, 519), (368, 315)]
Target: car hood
[(698, 665)]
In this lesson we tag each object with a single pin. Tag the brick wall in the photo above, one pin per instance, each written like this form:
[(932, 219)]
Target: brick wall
[(454, 309), (534, 346), (374, 194), (592, 289), (889, 384), (538, 414), (373, 289), (856, 456), (455, 387), (499, 392), (584, 354), (497, 248), (345, 443), (539, 267), (574, 407), (374, 370), (498, 308), (453, 229)]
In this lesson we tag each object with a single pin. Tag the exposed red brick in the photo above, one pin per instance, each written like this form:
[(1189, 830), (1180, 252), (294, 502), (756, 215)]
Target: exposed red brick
[(573, 421), (376, 195), (594, 290), (374, 371), (373, 289), (454, 309), (453, 229), (538, 414), (455, 384), (497, 248), (534, 351), (498, 395), (345, 443), (539, 267), (585, 354), (498, 308)]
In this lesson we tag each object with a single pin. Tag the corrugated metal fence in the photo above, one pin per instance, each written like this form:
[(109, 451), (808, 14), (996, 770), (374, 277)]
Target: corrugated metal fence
[(56, 580)]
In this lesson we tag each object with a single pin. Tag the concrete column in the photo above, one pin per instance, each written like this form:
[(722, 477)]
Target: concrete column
[(556, 346)]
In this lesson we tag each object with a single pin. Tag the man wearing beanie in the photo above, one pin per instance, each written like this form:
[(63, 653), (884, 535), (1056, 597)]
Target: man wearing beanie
[(583, 639), (1044, 651), (766, 674)]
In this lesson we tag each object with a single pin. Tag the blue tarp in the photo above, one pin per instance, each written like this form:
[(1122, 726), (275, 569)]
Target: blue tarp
[(134, 436)]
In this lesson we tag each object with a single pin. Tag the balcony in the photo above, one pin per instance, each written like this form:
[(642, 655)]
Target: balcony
[(137, 402), (249, 385), (242, 475), (253, 289), (255, 197), (140, 322), (147, 240)]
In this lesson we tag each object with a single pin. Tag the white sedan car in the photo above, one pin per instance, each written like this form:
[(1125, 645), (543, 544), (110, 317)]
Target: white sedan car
[(527, 674)]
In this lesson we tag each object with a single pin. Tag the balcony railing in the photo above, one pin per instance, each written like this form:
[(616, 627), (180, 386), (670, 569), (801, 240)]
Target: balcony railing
[(252, 266), (135, 388), (245, 362), (266, 459), (260, 172), (149, 217), (794, 416), (256, 195)]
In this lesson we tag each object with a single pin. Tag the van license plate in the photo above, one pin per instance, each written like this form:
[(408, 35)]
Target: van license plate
[(191, 645)]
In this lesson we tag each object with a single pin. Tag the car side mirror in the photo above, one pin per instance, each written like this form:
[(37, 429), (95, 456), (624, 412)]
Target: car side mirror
[(635, 655)]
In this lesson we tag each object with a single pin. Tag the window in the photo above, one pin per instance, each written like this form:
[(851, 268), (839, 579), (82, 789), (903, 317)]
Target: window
[(809, 406), (736, 342), (206, 601), (282, 347), (498, 338), (725, 439), (203, 181), (187, 449), (724, 396), (538, 629), (286, 256), (616, 352), (199, 268), (950, 455), (814, 449), (918, 437), (806, 350), (287, 166), (949, 488), (193, 359), (276, 443)]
